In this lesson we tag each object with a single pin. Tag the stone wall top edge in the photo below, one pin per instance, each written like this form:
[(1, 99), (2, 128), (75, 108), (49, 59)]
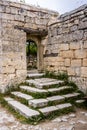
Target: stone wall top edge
[(26, 6), (68, 15), (74, 11)]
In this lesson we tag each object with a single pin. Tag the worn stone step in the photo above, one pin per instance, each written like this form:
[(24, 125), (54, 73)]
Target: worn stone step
[(54, 99), (80, 101), (48, 110), (37, 103), (54, 90), (32, 89), (71, 95), (44, 102), (21, 108), (37, 90), (35, 75), (22, 95), (44, 82)]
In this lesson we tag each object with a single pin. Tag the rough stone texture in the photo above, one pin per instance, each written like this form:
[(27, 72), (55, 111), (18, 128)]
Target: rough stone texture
[(15, 20), (35, 75), (48, 110), (22, 95), (68, 35), (80, 101), (71, 95), (24, 110), (58, 89), (38, 103), (33, 90), (79, 122), (43, 82), (55, 98), (64, 48)]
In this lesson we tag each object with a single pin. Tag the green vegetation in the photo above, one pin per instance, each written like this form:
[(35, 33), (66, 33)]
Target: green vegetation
[(31, 49), (59, 76)]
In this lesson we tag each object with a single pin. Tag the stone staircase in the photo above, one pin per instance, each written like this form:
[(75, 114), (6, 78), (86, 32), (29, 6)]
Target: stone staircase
[(43, 96)]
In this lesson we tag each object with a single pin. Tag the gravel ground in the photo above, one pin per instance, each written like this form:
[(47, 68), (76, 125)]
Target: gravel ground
[(73, 121)]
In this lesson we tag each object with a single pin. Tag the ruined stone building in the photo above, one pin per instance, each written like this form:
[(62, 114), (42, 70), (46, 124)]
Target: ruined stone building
[(61, 42)]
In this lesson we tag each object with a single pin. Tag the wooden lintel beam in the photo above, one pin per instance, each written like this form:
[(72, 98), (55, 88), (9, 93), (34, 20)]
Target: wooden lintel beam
[(38, 32)]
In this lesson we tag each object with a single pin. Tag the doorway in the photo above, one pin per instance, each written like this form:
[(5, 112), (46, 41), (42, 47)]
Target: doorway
[(31, 54)]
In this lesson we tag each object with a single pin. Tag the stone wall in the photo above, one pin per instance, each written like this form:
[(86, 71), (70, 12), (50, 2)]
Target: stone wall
[(13, 40), (67, 47)]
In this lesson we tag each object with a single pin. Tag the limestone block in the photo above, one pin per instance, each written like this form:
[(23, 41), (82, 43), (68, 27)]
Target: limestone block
[(8, 10), (14, 10), (67, 54), (80, 54), (85, 62), (67, 62), (85, 36), (64, 47), (7, 16), (85, 44), (73, 28), (20, 73), (76, 63), (71, 71), (8, 70), (75, 45), (76, 21), (78, 71), (84, 72), (77, 35)]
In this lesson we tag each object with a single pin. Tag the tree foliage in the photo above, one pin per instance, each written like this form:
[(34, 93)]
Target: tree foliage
[(31, 49)]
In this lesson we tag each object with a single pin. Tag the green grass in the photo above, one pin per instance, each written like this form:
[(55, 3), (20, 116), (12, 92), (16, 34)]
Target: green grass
[(59, 76)]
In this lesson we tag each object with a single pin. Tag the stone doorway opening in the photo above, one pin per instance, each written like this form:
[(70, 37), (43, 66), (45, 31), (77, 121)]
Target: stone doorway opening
[(31, 54), (36, 60)]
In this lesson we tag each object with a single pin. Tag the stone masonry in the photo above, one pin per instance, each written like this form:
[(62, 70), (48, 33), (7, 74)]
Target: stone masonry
[(61, 42), (15, 21), (66, 50)]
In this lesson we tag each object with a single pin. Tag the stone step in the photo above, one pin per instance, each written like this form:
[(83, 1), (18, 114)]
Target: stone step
[(35, 75), (22, 95), (71, 95), (21, 108), (32, 89), (48, 110), (80, 101), (55, 90), (37, 103), (37, 90), (44, 82)]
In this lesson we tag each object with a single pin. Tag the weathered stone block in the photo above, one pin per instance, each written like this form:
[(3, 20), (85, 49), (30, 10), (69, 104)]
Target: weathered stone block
[(75, 45), (67, 54), (84, 72), (64, 47), (85, 44), (76, 63), (85, 62), (67, 62), (71, 71), (80, 53)]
